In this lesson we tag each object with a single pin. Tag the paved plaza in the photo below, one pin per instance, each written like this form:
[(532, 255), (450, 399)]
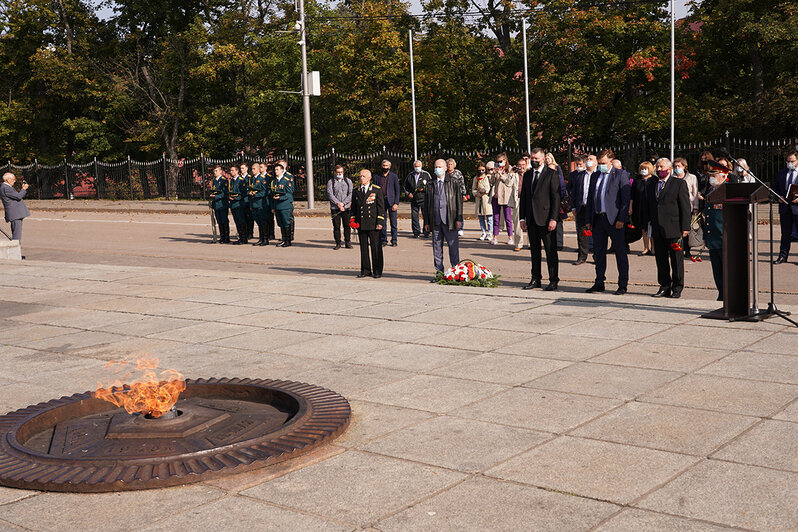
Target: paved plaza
[(473, 409)]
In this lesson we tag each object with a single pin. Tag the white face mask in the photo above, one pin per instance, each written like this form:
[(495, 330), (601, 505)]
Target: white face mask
[(501, 164), (339, 176), (590, 164), (791, 166), (580, 168), (716, 180), (740, 170), (644, 172)]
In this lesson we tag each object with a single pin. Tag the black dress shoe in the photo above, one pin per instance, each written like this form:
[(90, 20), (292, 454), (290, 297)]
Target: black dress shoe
[(579, 261), (620, 291), (675, 295), (532, 284), (377, 275), (551, 287), (361, 275), (595, 288), (780, 260), (337, 245), (348, 245), (384, 244), (393, 244), (663, 291)]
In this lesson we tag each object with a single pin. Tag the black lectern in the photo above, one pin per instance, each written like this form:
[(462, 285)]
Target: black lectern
[(740, 260)]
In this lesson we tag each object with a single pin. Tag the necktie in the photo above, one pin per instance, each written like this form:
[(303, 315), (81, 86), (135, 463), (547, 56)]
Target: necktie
[(364, 189), (793, 175), (660, 186), (534, 177), (600, 193)]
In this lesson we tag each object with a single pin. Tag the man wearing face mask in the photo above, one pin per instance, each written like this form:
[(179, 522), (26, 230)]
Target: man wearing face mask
[(788, 214), (459, 178), (668, 210), (443, 215), (339, 192), (680, 171), (579, 187), (538, 210), (388, 181), (607, 213), (415, 184)]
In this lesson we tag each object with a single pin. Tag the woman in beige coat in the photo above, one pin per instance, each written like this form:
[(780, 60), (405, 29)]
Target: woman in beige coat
[(481, 188), (504, 183)]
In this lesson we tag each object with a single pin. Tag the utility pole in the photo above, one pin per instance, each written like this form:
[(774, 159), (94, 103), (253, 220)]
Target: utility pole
[(526, 89), (306, 106), (673, 80), (413, 96)]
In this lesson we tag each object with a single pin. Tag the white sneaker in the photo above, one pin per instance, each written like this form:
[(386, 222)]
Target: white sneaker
[(460, 232), (510, 242), (484, 235), (494, 241)]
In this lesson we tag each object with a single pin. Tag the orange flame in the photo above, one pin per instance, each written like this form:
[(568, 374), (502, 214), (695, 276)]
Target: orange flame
[(149, 393)]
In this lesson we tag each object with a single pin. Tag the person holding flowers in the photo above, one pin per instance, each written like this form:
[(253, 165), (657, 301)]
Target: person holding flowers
[(368, 219)]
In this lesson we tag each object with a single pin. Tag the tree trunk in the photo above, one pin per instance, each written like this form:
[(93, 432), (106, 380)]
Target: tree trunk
[(67, 28), (759, 89)]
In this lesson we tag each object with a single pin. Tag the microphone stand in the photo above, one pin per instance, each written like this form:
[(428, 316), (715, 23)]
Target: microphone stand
[(772, 310)]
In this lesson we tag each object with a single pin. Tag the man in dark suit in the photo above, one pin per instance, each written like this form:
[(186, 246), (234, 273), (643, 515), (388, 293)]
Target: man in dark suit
[(388, 181), (539, 207), (788, 214), (14, 204), (415, 184), (443, 215), (578, 188), (368, 215), (607, 212), (668, 210)]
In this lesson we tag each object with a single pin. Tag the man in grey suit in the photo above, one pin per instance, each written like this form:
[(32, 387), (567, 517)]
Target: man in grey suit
[(13, 204), (443, 215)]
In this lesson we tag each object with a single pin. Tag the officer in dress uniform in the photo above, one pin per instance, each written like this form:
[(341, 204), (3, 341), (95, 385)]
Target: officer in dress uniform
[(220, 204), (259, 194), (268, 213), (236, 190), (246, 201), (368, 215), (282, 196)]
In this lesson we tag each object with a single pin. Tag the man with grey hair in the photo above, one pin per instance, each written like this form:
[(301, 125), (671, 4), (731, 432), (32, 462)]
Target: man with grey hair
[(443, 214), (13, 204), (414, 185), (459, 179)]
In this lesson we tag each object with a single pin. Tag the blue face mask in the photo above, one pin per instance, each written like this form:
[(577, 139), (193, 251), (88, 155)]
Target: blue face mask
[(678, 171), (417, 169), (439, 172), (603, 168)]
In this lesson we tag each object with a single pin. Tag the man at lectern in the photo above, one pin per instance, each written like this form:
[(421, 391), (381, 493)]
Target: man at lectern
[(788, 214)]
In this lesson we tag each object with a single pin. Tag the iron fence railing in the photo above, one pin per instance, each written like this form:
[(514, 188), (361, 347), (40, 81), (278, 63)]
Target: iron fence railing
[(191, 178)]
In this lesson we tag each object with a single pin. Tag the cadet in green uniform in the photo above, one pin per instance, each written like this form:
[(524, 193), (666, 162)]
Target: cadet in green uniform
[(220, 204), (282, 199), (237, 189), (259, 202), (713, 231), (249, 220)]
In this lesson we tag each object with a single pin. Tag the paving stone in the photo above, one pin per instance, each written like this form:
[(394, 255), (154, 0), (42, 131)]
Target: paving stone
[(634, 520), (736, 396), (349, 379), (771, 444), (336, 348), (664, 357), (731, 494), (22, 334), (697, 336), (147, 325), (789, 414), (264, 318), (756, 366), (70, 342), (330, 306), (574, 348), (22, 364), (668, 428), (572, 310), (456, 443), (430, 393), (355, 487), (213, 313), (618, 382), (8, 495), (243, 513), (205, 332), (401, 331), (217, 297), (254, 365), (387, 310), (486, 504), (501, 368), (372, 420), (651, 313), (104, 512), (410, 357), (780, 343), (476, 339), (613, 329), (265, 339), (538, 409), (601, 470), (335, 325), (456, 316), (529, 323)]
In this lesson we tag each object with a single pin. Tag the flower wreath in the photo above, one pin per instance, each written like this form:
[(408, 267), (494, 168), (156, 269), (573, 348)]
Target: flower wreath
[(469, 273)]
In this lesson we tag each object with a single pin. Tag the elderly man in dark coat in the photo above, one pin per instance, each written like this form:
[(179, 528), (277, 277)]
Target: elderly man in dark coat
[(13, 204)]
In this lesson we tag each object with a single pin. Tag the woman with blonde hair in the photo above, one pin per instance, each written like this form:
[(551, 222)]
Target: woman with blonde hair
[(637, 203), (481, 188), (505, 181)]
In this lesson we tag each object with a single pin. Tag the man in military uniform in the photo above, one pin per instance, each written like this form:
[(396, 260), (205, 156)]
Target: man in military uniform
[(259, 202), (282, 196), (249, 220), (219, 201), (368, 216), (236, 190)]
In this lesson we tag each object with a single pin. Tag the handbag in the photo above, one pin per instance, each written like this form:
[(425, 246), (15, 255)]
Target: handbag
[(696, 234)]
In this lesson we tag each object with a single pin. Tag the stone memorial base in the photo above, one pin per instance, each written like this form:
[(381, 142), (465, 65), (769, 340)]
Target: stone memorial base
[(10, 249)]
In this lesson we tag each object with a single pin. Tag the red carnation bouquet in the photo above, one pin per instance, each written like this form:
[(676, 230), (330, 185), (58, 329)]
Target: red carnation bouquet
[(353, 224), (469, 273), (676, 246), (587, 232)]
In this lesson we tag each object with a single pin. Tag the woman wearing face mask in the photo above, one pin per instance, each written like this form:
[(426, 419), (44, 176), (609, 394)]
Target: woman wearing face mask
[(551, 162), (505, 182), (680, 171), (741, 174), (713, 231), (480, 188), (636, 214)]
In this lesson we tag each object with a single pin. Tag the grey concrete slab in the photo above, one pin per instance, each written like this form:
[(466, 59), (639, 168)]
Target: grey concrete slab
[(213, 312), (771, 444), (205, 332), (70, 342), (402, 331), (147, 325), (334, 324), (269, 339), (723, 394), (732, 494), (664, 357), (756, 366), (22, 364), (790, 413), (486, 504), (372, 420), (534, 323), (8, 495), (781, 343), (613, 329), (634, 520), (619, 382), (668, 428), (430, 393), (409, 357), (574, 348), (263, 318), (351, 380), (338, 348), (596, 469), (501, 368), (538, 409), (355, 487), (476, 339), (698, 336), (455, 443)]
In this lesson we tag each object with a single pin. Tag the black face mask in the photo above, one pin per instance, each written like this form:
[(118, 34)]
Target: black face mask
[(535, 164), (386, 170)]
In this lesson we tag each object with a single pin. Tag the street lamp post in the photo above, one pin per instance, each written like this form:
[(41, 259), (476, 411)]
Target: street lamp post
[(413, 97), (673, 80), (306, 107), (526, 90)]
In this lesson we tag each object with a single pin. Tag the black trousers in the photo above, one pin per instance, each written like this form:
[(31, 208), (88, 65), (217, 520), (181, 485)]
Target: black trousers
[(670, 263), (391, 215), (582, 239), (339, 219), (540, 234), (716, 257), (370, 241), (415, 209), (787, 219), (602, 231), (249, 218)]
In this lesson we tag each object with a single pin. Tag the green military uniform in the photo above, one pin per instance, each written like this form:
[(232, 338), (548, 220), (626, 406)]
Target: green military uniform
[(221, 206), (713, 238), (260, 203), (282, 199), (237, 190), (249, 219)]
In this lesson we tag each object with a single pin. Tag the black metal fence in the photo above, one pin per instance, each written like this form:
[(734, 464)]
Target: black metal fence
[(191, 178)]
